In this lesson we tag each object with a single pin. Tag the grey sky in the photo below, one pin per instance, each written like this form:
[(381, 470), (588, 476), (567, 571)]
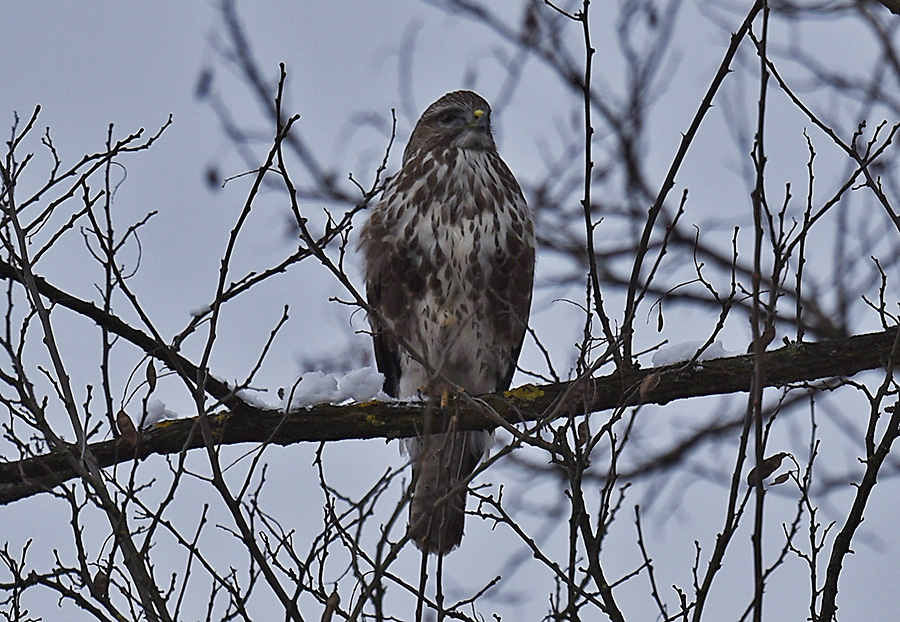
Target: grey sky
[(89, 64)]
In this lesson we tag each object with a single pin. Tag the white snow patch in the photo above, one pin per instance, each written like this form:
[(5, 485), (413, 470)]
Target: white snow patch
[(362, 385), (156, 412), (680, 352), (200, 311), (315, 387), (359, 385), (252, 397)]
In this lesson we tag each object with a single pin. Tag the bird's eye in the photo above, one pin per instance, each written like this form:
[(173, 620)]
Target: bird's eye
[(447, 117)]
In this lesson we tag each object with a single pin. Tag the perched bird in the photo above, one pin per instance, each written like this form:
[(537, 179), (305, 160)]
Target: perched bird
[(449, 266)]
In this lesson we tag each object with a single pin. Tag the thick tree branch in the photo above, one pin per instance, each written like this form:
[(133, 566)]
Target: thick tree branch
[(249, 424)]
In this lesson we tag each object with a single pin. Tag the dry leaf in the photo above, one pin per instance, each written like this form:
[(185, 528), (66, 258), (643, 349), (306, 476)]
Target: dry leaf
[(101, 582), (151, 376), (781, 478), (584, 433), (648, 384), (766, 468), (330, 605), (129, 434)]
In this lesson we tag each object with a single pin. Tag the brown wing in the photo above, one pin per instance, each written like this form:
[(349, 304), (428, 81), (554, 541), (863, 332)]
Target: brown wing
[(518, 301), (392, 282), (510, 283), (387, 354)]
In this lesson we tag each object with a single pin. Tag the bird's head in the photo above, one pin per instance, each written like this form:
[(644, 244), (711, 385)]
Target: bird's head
[(461, 120)]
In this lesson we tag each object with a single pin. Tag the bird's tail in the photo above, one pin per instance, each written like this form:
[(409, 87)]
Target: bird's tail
[(440, 462)]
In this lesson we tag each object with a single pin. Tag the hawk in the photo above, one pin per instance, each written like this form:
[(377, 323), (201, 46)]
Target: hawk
[(449, 265)]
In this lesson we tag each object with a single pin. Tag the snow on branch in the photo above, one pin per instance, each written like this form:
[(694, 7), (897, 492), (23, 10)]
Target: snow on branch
[(794, 363)]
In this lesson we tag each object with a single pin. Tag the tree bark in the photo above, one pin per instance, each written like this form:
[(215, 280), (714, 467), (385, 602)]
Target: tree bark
[(249, 424)]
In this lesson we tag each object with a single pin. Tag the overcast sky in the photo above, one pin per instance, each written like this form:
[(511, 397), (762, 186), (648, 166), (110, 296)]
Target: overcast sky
[(134, 63)]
